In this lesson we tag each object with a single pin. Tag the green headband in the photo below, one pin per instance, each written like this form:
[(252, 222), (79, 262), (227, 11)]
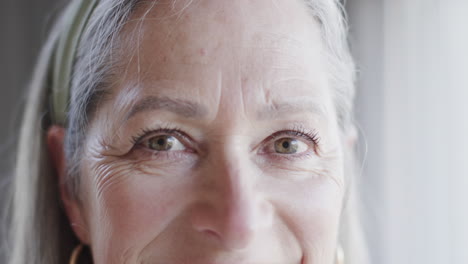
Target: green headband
[(76, 16)]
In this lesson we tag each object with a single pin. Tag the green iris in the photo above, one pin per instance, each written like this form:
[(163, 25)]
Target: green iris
[(286, 146), (161, 143)]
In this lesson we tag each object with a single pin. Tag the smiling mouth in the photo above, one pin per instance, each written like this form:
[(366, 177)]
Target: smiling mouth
[(302, 261)]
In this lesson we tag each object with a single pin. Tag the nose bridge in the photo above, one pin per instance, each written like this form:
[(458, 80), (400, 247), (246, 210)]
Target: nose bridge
[(236, 189), (235, 208)]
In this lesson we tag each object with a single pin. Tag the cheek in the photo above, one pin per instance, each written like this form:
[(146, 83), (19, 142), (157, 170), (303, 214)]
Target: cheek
[(311, 209), (131, 207)]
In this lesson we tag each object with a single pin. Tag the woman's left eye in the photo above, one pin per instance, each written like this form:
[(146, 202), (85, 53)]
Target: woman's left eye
[(163, 143), (289, 146)]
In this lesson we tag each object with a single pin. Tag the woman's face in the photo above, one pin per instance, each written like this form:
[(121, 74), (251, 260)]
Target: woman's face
[(218, 143)]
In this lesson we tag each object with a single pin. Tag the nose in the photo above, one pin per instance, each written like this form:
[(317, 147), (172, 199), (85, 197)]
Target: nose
[(232, 208)]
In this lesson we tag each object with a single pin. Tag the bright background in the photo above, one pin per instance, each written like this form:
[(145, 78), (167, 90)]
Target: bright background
[(412, 110)]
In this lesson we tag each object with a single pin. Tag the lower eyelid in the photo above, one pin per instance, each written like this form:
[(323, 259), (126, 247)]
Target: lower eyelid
[(148, 154), (290, 161)]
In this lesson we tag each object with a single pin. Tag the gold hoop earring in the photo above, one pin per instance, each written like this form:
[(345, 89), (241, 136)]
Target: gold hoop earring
[(339, 255), (75, 254)]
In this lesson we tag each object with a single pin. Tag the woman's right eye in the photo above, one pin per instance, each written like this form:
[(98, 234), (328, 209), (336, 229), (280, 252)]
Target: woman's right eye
[(163, 143)]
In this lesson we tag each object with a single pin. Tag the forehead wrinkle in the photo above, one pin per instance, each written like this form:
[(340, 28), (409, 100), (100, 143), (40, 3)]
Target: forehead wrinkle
[(180, 107), (268, 38), (281, 109), (278, 56)]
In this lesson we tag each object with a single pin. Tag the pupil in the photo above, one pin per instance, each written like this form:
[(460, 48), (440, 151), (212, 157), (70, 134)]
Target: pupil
[(161, 142), (285, 144)]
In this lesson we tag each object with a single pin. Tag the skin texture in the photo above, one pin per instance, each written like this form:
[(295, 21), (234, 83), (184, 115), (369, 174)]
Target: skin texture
[(228, 82)]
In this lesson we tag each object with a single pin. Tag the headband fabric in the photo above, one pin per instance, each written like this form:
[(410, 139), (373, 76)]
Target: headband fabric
[(76, 18)]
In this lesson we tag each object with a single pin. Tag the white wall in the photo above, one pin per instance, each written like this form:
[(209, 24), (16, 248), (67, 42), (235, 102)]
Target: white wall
[(413, 107)]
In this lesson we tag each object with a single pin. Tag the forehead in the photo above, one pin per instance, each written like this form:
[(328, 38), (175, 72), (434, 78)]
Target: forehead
[(206, 50)]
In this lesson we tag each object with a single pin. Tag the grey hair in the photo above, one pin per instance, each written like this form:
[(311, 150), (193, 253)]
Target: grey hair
[(40, 232)]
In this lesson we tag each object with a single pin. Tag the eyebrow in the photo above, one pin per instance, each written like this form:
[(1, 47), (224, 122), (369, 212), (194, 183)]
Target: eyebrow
[(183, 108), (189, 109)]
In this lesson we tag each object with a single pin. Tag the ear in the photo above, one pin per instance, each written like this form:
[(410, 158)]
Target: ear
[(73, 207)]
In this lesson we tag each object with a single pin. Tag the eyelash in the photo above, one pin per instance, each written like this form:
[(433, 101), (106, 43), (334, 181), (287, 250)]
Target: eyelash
[(309, 135), (135, 140)]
